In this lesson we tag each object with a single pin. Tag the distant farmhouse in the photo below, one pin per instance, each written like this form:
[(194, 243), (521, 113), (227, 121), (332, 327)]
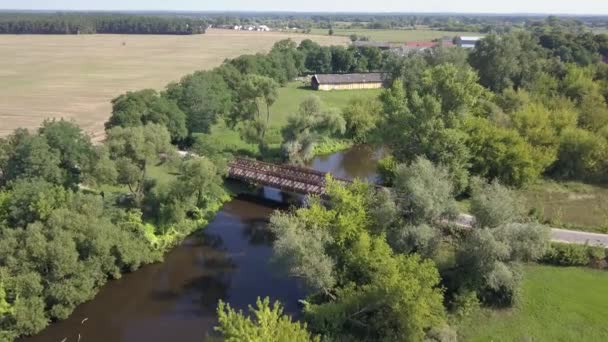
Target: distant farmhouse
[(347, 81), (467, 42)]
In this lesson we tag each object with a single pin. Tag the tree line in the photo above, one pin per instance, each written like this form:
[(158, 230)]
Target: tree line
[(66, 23), (513, 109), (444, 22), (73, 214), (241, 93)]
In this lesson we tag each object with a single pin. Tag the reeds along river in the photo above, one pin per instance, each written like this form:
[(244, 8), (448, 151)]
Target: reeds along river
[(230, 260)]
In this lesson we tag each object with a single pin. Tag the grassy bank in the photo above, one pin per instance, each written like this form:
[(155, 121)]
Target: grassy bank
[(557, 304), (396, 35), (570, 205)]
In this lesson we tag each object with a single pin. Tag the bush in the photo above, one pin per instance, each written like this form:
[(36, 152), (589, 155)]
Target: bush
[(386, 169), (562, 254), (465, 304), (493, 204)]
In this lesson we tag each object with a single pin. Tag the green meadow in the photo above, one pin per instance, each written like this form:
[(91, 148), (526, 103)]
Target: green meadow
[(557, 304)]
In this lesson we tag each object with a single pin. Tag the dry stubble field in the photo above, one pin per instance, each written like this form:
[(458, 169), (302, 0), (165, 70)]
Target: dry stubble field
[(76, 77)]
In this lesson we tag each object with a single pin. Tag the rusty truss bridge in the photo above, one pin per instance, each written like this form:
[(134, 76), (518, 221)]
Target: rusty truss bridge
[(283, 177)]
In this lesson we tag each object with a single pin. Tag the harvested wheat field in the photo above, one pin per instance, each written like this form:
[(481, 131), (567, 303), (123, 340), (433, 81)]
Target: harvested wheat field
[(76, 77)]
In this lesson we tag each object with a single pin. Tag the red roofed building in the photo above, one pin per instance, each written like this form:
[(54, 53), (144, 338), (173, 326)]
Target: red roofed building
[(421, 44)]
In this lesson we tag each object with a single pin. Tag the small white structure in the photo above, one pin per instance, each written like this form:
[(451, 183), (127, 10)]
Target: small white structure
[(467, 42), (263, 28)]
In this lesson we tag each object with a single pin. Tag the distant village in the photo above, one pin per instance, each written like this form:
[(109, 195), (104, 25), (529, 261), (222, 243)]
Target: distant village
[(467, 42), (372, 80), (258, 28)]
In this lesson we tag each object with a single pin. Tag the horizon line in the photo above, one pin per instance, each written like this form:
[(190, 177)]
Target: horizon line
[(245, 11)]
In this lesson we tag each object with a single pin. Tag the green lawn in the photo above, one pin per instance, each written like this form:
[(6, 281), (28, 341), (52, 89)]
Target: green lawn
[(396, 35), (287, 103), (570, 204), (558, 304), (291, 95)]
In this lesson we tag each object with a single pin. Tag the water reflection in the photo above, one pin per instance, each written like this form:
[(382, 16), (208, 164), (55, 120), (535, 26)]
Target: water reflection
[(358, 162), (176, 300)]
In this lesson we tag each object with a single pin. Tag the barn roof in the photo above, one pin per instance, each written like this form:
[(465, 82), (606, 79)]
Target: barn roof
[(421, 44), (470, 38), (380, 45), (348, 78)]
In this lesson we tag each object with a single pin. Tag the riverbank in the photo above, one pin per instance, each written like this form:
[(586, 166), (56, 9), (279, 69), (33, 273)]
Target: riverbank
[(230, 259), (176, 299)]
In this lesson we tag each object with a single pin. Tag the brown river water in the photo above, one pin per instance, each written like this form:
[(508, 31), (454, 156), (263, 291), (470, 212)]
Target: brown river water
[(230, 260)]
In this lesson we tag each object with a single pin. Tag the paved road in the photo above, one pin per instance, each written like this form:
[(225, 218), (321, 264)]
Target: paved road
[(557, 235), (581, 238)]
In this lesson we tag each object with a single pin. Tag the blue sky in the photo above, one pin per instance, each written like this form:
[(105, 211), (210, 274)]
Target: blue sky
[(469, 6)]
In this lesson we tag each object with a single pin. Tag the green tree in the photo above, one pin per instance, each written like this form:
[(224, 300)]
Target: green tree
[(397, 299), (203, 179), (488, 259), (256, 89), (361, 117), (493, 204), (32, 157), (302, 252), (304, 128), (31, 200), (342, 59), (425, 191), (76, 152), (534, 124), (456, 89), (204, 97), (268, 323), (581, 154), (365, 290), (422, 239), (579, 85), (499, 153), (146, 106), (135, 149), (432, 125), (510, 60)]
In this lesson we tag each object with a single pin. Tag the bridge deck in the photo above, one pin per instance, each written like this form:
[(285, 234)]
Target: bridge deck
[(283, 177)]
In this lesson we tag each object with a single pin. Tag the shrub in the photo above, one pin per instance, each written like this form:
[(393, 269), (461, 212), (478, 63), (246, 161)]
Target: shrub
[(563, 254), (386, 170), (493, 204), (465, 303)]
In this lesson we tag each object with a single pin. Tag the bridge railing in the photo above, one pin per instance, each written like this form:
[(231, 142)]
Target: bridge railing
[(284, 177)]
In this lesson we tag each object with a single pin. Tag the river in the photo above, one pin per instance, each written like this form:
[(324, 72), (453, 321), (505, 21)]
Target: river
[(230, 260)]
